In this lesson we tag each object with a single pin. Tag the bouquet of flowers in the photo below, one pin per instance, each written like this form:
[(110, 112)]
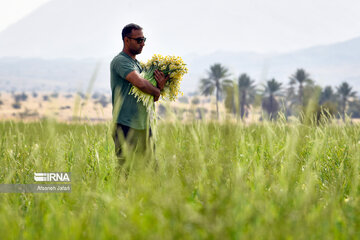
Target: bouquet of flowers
[(169, 65)]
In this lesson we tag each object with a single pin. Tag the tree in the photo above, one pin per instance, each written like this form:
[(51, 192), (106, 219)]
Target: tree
[(354, 108), (230, 93), (301, 77), (103, 101), (290, 100), (54, 95), (269, 102), (327, 95), (20, 97), (16, 105), (246, 93), (344, 92), (216, 80), (327, 103), (195, 100), (183, 99)]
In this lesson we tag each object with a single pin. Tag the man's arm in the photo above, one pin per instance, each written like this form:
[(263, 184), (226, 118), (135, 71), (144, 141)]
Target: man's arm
[(145, 86)]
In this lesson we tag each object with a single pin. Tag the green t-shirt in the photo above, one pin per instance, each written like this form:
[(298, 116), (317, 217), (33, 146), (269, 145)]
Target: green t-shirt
[(126, 110)]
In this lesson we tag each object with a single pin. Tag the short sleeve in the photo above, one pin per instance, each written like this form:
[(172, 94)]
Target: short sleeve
[(123, 68)]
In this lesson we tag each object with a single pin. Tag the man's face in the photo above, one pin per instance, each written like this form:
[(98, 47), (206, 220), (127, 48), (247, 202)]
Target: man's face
[(133, 44)]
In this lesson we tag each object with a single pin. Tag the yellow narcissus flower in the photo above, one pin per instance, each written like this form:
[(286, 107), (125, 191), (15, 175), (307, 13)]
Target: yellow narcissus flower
[(143, 65), (169, 65), (162, 67)]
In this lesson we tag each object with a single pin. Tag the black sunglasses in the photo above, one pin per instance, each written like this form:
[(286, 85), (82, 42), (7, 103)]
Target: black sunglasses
[(139, 40)]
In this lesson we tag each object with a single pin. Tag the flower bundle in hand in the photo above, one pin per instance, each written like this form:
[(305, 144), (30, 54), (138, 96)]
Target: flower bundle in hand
[(169, 65)]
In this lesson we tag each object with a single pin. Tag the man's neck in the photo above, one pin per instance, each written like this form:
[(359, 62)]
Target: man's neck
[(129, 53)]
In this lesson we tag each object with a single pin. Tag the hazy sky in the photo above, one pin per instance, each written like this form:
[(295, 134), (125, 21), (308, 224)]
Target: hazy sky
[(13, 10), (246, 25)]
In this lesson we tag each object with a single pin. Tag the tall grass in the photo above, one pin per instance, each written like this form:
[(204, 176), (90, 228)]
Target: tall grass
[(213, 181)]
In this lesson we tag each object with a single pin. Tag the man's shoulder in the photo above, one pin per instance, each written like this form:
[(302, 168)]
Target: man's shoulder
[(120, 57), (121, 62)]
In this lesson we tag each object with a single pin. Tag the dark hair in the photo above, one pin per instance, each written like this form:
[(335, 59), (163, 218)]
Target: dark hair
[(128, 29)]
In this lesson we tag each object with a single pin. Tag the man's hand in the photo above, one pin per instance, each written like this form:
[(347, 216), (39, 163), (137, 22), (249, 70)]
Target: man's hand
[(160, 79), (156, 98)]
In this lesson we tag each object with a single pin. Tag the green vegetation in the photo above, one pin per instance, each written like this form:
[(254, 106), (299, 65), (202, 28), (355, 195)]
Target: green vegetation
[(300, 95), (214, 181)]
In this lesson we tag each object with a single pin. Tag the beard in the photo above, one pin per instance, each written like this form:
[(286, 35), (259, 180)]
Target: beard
[(136, 51)]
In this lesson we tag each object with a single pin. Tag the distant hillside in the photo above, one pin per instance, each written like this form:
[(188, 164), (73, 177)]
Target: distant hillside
[(326, 64), (17, 74)]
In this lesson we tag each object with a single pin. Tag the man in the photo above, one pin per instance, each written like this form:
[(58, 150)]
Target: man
[(130, 116)]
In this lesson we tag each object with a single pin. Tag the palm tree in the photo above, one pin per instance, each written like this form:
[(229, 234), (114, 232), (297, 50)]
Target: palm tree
[(327, 95), (301, 77), (327, 102), (246, 92), (216, 80), (344, 91), (269, 102)]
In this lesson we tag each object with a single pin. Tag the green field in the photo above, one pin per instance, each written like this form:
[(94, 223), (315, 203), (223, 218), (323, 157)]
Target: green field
[(213, 181)]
